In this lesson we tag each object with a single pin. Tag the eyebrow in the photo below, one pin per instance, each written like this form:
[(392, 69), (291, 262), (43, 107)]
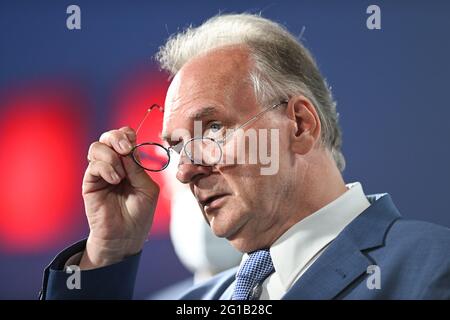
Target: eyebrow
[(202, 113), (194, 116)]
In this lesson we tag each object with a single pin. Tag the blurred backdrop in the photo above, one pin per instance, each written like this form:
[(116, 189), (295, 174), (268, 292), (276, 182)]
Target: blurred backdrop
[(60, 89)]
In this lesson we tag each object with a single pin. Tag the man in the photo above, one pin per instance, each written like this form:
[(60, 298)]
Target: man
[(306, 234)]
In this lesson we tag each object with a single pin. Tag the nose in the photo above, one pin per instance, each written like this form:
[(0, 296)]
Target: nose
[(188, 171)]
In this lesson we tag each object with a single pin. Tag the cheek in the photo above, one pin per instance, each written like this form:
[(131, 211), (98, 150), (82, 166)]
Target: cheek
[(270, 195), (254, 192), (244, 180)]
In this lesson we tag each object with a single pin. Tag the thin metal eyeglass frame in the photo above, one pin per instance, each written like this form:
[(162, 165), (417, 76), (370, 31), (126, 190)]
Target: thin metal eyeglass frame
[(218, 142), (167, 150)]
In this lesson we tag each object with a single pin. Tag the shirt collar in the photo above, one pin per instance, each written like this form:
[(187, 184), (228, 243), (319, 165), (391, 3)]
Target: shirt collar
[(304, 240)]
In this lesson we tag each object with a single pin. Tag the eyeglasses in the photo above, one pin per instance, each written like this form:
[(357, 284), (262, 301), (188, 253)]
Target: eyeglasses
[(206, 150)]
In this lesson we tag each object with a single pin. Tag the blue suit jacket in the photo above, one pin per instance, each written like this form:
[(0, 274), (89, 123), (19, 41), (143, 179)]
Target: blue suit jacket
[(413, 259)]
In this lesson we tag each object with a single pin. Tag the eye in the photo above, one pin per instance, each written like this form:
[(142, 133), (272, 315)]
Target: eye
[(215, 127), (214, 130)]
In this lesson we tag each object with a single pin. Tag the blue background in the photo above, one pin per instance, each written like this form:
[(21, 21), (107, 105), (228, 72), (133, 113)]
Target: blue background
[(391, 86)]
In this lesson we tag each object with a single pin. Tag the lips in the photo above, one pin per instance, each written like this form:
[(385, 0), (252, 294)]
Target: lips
[(208, 200)]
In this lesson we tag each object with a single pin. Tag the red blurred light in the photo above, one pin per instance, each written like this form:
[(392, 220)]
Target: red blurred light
[(40, 168)]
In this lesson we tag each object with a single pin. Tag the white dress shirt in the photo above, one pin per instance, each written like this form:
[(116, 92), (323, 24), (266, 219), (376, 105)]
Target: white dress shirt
[(297, 249)]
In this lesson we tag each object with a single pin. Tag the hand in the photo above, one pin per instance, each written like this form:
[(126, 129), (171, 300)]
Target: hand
[(119, 198)]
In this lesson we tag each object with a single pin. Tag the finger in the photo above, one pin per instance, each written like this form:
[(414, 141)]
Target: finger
[(117, 140), (103, 170), (131, 134), (101, 152), (137, 176)]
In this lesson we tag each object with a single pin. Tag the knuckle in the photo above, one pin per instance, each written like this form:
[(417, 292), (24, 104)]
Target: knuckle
[(116, 134), (94, 150), (112, 158), (120, 141), (130, 133), (102, 167), (115, 137), (91, 166), (92, 146), (127, 129), (122, 135), (112, 137), (105, 136)]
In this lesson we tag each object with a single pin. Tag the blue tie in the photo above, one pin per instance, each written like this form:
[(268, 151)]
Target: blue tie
[(254, 271)]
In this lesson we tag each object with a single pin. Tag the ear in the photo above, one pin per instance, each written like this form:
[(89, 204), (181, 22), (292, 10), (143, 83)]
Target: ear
[(306, 130)]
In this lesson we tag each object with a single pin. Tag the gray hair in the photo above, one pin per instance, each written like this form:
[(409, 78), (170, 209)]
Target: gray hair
[(283, 67)]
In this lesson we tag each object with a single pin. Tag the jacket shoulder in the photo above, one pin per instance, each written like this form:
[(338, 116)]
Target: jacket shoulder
[(419, 232)]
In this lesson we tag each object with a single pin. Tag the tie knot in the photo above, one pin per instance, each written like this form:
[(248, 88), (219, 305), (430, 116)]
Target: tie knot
[(255, 269)]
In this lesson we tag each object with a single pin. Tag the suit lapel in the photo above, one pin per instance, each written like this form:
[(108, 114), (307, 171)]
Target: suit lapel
[(338, 266), (221, 286), (343, 261)]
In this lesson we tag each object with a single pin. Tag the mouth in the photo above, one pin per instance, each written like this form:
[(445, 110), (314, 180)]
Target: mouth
[(213, 201)]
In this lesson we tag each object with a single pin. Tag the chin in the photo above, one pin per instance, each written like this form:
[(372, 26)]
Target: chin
[(247, 239), (236, 235), (226, 227), (221, 230)]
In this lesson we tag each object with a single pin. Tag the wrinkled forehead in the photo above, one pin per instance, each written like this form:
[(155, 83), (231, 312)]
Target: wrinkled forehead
[(207, 86)]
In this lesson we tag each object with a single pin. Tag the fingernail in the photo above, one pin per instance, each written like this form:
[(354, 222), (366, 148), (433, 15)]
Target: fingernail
[(125, 145), (115, 177)]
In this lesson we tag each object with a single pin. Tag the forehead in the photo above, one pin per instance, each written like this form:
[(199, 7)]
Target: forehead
[(211, 84)]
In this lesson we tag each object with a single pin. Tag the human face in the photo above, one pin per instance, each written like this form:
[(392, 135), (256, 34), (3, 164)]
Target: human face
[(237, 201)]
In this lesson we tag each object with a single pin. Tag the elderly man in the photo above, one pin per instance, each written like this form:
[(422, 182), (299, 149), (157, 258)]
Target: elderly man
[(306, 234)]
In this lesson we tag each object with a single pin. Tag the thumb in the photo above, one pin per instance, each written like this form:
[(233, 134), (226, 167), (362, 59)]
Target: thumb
[(136, 175)]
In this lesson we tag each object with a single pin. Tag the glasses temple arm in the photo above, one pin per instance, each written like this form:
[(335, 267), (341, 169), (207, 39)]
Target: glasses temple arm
[(146, 115), (254, 118)]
